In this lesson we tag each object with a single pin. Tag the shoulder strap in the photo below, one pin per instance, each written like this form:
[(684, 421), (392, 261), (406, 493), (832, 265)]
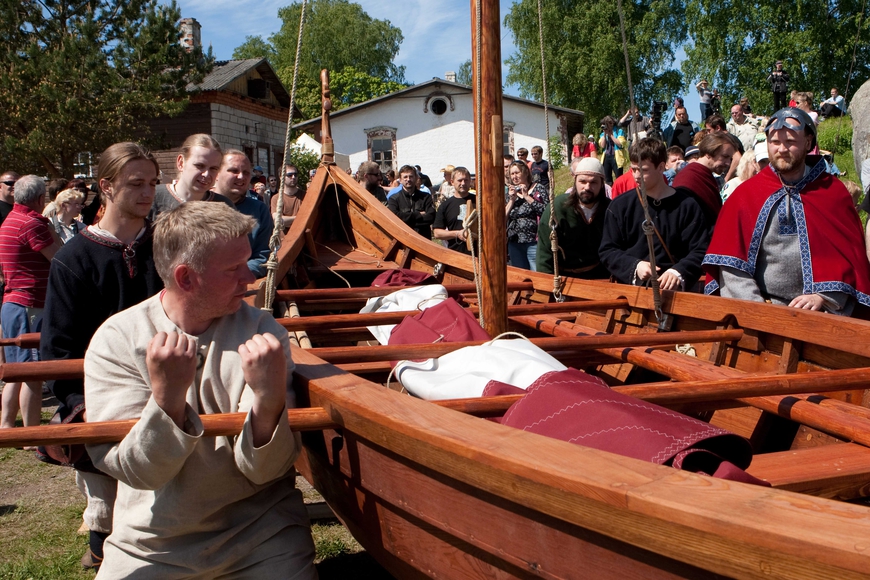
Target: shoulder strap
[(658, 234)]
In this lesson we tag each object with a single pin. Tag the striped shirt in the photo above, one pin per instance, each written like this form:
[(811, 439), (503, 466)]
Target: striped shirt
[(23, 234)]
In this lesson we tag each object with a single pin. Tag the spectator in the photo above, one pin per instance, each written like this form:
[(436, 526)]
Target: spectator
[(27, 245), (524, 206), (747, 168), (611, 144), (445, 191), (198, 163), (790, 236), (523, 155), (65, 223), (7, 193), (778, 80), (413, 207), (743, 127), (293, 196), (452, 213), (583, 147), (232, 182), (642, 125), (54, 187), (716, 152), (681, 130), (705, 95), (676, 161), (540, 168), (107, 268), (835, 106), (369, 174), (714, 124), (579, 224), (681, 235), (744, 104)]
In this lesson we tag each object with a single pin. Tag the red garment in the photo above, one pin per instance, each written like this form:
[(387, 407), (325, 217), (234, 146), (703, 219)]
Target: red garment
[(833, 230), (699, 181), (23, 234), (626, 182), (588, 151)]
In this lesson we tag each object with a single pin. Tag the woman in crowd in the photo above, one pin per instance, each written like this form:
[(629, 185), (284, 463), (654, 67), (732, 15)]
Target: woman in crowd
[(611, 145), (68, 206), (524, 205), (582, 146)]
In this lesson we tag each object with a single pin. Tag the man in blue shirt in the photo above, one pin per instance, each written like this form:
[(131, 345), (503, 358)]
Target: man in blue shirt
[(833, 107)]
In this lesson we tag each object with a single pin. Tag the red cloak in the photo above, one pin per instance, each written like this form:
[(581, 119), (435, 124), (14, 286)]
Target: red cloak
[(830, 231), (699, 180)]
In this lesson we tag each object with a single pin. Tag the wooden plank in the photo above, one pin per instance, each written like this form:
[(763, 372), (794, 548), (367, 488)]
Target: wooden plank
[(371, 292), (839, 472)]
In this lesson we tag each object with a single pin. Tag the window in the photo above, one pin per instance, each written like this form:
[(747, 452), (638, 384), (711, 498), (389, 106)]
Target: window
[(83, 165), (382, 153), (382, 146), (439, 106), (508, 138)]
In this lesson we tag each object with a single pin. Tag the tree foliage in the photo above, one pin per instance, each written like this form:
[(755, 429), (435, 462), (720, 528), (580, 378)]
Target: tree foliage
[(78, 76), (339, 36), (735, 45), (465, 75), (584, 57)]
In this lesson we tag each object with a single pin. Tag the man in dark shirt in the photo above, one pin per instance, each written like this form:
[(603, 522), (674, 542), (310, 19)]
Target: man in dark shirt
[(369, 175), (413, 207), (540, 168), (451, 214), (7, 193), (681, 130), (681, 235)]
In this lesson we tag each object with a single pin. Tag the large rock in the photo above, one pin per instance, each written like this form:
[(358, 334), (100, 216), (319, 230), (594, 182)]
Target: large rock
[(859, 109)]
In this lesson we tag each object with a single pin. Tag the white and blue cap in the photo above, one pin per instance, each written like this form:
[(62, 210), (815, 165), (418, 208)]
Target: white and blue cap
[(805, 122)]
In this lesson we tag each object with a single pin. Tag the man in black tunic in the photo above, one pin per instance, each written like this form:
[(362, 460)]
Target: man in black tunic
[(413, 207), (107, 268), (681, 235), (579, 224), (452, 212)]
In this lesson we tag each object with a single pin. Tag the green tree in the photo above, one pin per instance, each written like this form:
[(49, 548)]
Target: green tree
[(77, 76), (349, 86), (736, 44), (337, 34), (465, 75), (584, 57)]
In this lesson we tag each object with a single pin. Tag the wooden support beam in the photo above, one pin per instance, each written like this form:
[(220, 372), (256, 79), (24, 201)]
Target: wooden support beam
[(364, 293)]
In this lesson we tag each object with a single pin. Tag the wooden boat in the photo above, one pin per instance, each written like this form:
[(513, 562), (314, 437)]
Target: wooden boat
[(435, 490)]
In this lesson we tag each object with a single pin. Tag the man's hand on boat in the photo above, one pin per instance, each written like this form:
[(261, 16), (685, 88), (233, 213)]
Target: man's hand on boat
[(171, 361), (265, 369), (808, 302), (670, 280)]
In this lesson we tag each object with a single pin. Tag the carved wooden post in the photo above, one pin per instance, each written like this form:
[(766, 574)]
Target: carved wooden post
[(327, 148)]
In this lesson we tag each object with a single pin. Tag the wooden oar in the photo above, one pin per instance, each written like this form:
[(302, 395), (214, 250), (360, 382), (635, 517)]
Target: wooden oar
[(371, 292), (73, 369), (308, 419), (26, 340), (315, 323)]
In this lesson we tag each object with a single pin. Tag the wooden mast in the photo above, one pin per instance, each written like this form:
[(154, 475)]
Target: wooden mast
[(490, 170)]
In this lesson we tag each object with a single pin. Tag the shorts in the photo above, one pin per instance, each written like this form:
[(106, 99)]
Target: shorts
[(16, 320)]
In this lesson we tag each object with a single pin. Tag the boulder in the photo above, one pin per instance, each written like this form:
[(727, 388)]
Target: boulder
[(859, 109)]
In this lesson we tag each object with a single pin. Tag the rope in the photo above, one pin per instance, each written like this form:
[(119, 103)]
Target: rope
[(648, 227), (554, 236), (849, 80), (278, 230), (478, 130)]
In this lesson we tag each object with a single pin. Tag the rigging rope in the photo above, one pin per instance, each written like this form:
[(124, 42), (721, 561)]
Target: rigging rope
[(554, 237), (275, 240), (478, 130), (648, 227)]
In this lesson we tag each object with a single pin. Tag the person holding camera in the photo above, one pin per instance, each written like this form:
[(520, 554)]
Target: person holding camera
[(524, 204), (611, 143), (778, 80)]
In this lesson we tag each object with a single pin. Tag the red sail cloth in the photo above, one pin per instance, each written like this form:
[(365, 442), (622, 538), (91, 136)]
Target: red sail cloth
[(834, 230), (402, 277), (573, 406)]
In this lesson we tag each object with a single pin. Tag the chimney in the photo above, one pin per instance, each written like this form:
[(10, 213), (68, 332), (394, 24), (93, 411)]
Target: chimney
[(450, 76), (191, 36)]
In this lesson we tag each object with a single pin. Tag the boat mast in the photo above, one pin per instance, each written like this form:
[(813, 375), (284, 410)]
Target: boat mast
[(489, 139)]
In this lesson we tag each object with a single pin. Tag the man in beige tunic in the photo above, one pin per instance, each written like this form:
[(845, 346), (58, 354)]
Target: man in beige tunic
[(190, 506)]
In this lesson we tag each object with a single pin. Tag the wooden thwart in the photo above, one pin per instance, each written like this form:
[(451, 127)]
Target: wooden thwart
[(371, 292)]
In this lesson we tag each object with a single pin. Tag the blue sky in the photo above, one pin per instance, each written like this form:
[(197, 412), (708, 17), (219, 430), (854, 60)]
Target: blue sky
[(437, 32)]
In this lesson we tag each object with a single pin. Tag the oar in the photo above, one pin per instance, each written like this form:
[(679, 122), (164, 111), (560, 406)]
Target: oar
[(365, 293), (26, 340)]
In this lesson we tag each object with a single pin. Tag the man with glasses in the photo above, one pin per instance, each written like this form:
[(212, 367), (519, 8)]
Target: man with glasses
[(7, 193), (293, 196), (742, 127), (369, 174)]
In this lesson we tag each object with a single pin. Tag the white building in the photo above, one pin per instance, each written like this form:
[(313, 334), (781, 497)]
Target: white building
[(431, 125)]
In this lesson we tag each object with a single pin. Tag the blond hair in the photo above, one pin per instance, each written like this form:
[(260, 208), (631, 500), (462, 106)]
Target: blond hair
[(199, 140), (186, 234), (68, 195)]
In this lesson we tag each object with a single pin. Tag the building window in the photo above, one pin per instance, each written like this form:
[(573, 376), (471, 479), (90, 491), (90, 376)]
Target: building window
[(439, 106), (508, 138), (382, 147), (83, 166)]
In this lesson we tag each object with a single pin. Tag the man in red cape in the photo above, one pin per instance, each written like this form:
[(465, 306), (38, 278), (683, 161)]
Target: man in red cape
[(790, 235)]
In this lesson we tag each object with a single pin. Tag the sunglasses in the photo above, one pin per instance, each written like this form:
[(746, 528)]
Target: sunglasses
[(291, 174), (9, 183)]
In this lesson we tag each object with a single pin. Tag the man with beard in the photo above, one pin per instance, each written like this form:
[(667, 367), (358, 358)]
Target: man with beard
[(413, 207), (790, 235), (451, 214), (681, 234), (716, 150), (369, 175), (232, 182), (579, 224)]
